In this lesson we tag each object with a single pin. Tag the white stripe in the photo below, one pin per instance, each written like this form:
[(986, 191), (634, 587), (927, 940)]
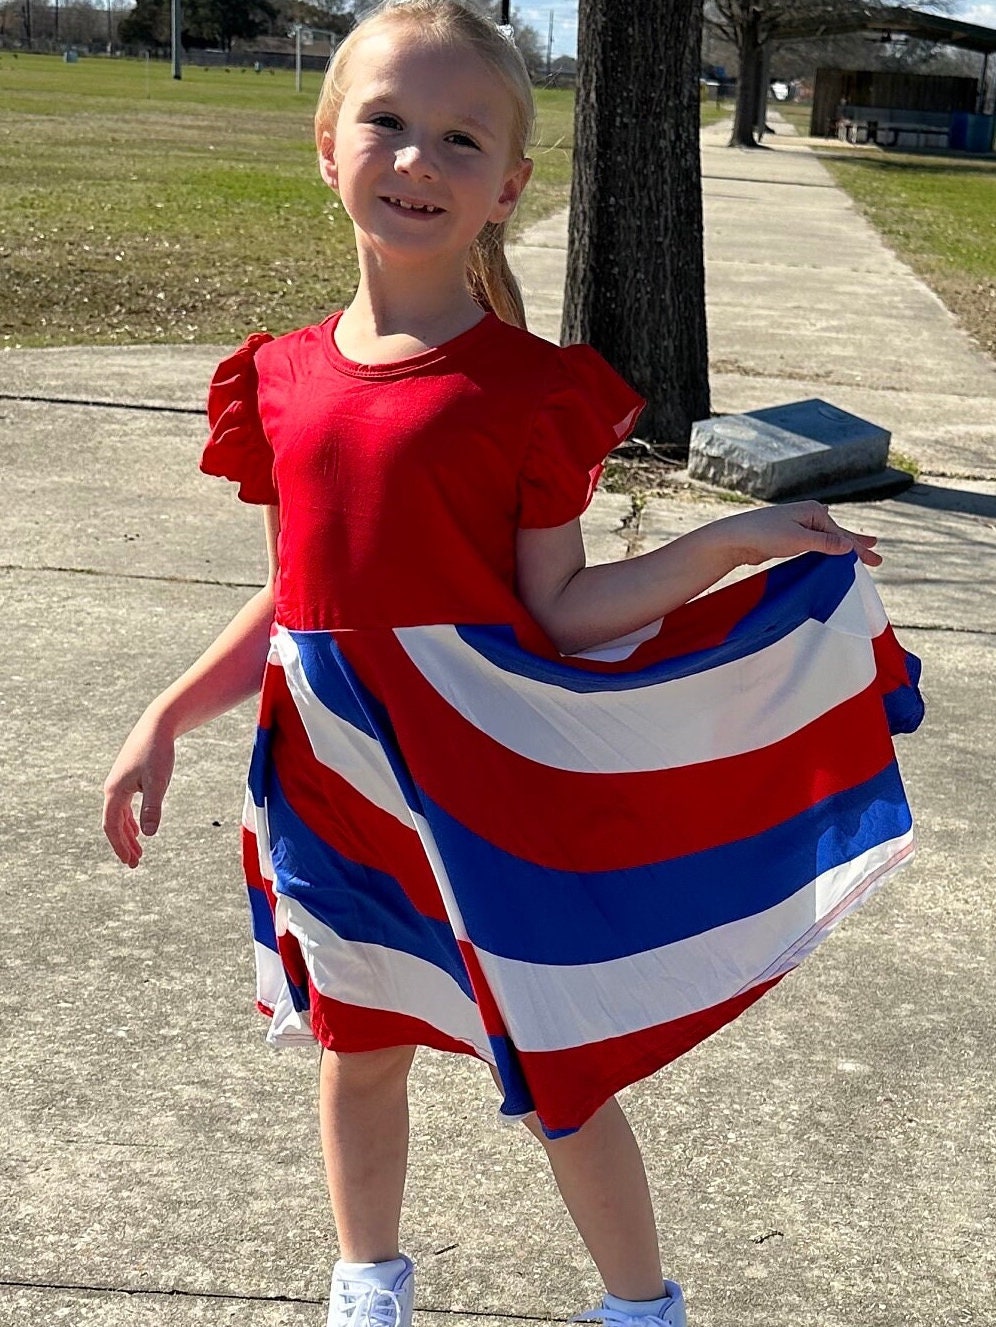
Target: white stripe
[(549, 1008), (727, 710), (441, 875), (611, 651), (270, 979), (860, 612), (254, 820), (375, 977), (338, 745), (289, 1026)]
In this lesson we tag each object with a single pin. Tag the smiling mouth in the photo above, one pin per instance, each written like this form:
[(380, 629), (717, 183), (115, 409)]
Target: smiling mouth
[(408, 206)]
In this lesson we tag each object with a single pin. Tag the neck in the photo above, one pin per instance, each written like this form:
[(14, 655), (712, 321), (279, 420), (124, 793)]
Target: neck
[(428, 303)]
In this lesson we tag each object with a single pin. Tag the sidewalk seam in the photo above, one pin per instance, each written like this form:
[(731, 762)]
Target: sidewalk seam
[(177, 1292), (132, 576)]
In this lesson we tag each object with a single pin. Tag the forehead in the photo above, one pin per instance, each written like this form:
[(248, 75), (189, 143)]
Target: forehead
[(395, 63)]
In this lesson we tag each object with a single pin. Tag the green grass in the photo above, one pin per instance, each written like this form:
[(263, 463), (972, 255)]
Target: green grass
[(134, 207)]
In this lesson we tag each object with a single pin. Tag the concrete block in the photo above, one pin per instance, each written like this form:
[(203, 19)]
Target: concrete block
[(788, 449)]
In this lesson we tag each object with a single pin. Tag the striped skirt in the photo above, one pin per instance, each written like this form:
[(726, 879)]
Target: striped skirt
[(573, 868)]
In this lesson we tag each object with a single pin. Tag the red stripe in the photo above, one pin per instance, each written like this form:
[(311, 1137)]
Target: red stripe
[(569, 1086), (491, 1017), (250, 860), (700, 625), (598, 822), (351, 1027), (288, 948), (337, 813), (891, 660)]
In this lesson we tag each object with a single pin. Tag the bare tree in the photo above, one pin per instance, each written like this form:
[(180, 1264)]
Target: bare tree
[(753, 25), (636, 279)]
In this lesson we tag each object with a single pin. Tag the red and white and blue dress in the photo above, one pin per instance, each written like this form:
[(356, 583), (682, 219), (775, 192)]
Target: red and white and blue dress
[(573, 868)]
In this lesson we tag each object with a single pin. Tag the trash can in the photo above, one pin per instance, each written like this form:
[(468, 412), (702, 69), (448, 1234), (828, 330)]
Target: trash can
[(971, 133)]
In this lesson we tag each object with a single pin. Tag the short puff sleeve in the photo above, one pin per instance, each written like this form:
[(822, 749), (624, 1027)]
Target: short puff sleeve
[(586, 414), (238, 449)]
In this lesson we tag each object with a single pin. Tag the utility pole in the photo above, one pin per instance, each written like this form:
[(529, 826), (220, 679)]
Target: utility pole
[(176, 15), (505, 7), (549, 48)]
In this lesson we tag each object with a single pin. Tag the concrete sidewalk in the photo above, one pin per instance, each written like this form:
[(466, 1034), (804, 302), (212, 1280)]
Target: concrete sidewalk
[(826, 1161)]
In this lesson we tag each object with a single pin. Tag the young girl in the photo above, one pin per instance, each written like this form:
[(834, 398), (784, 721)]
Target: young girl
[(574, 868)]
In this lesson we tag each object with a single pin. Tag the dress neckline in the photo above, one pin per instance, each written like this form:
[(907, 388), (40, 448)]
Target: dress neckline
[(399, 368)]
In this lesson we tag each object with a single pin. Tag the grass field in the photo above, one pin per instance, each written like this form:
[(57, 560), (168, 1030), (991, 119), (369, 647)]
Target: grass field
[(135, 208)]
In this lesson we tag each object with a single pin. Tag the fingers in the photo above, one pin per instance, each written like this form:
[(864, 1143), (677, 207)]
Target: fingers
[(837, 538), (120, 827), (152, 811)]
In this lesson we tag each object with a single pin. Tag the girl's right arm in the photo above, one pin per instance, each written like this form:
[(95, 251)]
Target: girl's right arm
[(228, 672)]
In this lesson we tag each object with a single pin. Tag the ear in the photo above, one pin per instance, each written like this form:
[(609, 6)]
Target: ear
[(515, 181), (327, 168)]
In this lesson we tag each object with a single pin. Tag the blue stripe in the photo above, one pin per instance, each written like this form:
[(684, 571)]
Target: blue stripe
[(259, 764), (904, 706), (335, 683), (331, 678), (518, 1100), (810, 587), (516, 909), (262, 918), (357, 902), (264, 933)]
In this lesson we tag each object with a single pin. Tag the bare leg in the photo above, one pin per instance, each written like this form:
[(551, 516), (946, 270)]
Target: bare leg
[(601, 1177), (363, 1108)]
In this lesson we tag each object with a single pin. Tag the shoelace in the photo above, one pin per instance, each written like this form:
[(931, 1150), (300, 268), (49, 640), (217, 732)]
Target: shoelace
[(370, 1307)]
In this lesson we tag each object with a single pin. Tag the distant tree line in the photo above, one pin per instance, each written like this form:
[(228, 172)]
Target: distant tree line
[(207, 24), (217, 24)]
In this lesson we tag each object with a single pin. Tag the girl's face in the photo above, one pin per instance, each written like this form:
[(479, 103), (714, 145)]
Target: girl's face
[(422, 150)]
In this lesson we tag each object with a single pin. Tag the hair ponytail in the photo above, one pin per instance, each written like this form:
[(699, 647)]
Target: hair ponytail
[(490, 277)]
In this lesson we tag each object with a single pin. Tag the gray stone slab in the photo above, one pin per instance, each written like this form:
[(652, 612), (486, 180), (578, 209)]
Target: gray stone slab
[(946, 434), (787, 449)]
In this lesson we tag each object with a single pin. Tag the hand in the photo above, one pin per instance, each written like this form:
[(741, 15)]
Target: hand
[(144, 765), (795, 527)]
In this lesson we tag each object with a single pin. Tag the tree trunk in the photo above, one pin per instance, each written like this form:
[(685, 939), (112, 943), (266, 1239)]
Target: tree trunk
[(748, 84), (635, 272), (763, 80)]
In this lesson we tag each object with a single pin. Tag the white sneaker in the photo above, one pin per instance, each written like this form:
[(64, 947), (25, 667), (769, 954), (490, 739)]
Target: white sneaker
[(362, 1302), (670, 1314)]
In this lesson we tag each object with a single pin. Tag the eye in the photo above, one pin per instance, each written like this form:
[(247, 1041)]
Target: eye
[(462, 140), (385, 120)]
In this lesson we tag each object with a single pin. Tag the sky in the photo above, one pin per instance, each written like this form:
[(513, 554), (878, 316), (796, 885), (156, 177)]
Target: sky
[(565, 19), (565, 23)]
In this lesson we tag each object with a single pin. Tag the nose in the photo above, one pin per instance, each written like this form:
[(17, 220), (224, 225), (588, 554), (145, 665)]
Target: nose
[(413, 160)]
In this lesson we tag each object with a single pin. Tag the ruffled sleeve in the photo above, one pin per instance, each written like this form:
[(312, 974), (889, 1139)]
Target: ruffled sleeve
[(587, 413), (238, 449)]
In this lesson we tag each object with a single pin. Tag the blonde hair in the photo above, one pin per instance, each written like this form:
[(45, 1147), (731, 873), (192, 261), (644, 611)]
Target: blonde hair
[(450, 23)]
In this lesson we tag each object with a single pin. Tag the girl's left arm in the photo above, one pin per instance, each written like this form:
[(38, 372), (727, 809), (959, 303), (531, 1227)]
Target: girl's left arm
[(580, 606)]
